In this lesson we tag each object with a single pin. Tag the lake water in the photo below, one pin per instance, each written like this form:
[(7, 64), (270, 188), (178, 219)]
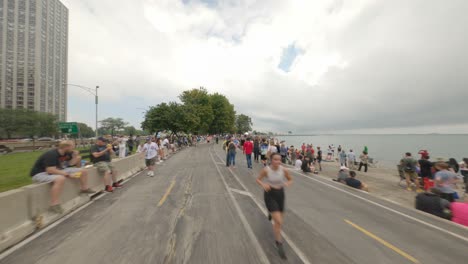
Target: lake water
[(388, 149)]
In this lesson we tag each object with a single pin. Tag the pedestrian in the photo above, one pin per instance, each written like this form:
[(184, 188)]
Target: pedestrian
[(343, 158), (319, 158), (431, 202), (273, 179), (408, 164), (165, 147), (293, 155), (444, 180), (256, 149), (351, 160), (130, 144), (352, 182), (264, 152), (50, 167), (425, 166), (122, 147), (283, 152), (363, 163), (101, 158), (248, 149), (151, 152), (329, 153), (225, 148), (232, 154), (339, 149)]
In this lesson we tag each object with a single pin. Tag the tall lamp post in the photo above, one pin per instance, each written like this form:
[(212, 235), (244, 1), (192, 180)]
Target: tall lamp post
[(93, 92)]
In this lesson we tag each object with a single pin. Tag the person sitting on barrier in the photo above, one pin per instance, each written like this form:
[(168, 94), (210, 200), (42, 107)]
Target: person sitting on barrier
[(342, 175), (305, 165), (352, 182), (431, 202), (101, 158), (49, 167)]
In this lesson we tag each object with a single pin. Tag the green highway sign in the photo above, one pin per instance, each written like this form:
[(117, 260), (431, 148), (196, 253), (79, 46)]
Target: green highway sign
[(68, 127)]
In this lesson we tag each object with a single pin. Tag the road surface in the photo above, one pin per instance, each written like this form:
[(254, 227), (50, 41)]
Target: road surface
[(195, 210)]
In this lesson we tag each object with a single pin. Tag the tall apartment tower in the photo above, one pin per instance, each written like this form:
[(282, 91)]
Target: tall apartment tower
[(34, 55)]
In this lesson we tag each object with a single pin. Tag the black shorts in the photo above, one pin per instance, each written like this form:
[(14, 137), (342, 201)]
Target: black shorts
[(274, 200), (263, 157)]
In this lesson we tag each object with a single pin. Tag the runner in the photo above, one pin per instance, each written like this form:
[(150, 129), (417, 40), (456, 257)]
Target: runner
[(151, 151), (273, 179)]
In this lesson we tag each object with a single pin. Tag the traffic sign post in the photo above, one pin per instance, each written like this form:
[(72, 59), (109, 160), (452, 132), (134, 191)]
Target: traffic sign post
[(69, 128)]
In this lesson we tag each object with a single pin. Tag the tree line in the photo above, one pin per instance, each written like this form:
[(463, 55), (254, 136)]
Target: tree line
[(199, 112)]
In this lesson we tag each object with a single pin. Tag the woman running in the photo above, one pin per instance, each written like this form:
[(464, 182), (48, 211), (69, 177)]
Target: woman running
[(273, 179)]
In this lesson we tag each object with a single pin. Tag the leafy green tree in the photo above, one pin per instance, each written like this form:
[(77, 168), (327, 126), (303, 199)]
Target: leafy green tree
[(85, 130), (22, 123), (224, 115), (130, 130), (199, 101), (173, 116), (243, 123), (112, 125)]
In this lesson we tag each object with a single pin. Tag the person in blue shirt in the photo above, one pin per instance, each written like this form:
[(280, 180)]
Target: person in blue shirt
[(352, 182)]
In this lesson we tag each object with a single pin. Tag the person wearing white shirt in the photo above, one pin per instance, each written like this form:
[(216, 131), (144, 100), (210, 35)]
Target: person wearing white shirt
[(151, 152), (165, 145), (351, 159), (122, 147)]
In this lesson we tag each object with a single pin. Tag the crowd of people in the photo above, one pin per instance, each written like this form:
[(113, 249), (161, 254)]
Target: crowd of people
[(65, 162)]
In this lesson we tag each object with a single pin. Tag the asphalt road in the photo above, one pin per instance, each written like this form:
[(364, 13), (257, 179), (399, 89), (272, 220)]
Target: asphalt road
[(195, 210)]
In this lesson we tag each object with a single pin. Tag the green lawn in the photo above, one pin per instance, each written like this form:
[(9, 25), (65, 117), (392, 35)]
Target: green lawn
[(15, 168)]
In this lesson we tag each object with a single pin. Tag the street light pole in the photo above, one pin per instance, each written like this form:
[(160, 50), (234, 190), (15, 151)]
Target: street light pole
[(97, 87), (93, 92)]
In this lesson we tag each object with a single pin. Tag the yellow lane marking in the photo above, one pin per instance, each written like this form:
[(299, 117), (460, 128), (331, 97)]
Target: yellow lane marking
[(383, 242), (168, 191)]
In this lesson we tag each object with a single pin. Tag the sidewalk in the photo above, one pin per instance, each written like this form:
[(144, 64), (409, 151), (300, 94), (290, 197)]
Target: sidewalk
[(382, 182)]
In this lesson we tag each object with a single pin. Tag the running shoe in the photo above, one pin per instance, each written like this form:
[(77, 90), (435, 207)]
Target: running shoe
[(148, 173), (87, 191), (419, 190), (117, 185), (57, 209), (281, 250), (152, 174), (109, 188), (409, 189)]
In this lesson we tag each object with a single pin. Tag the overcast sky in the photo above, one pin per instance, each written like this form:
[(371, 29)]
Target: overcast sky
[(307, 66)]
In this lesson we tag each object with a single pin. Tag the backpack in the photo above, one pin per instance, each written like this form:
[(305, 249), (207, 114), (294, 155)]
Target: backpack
[(409, 167)]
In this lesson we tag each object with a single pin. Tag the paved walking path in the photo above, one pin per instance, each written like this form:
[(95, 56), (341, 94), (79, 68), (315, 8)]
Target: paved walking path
[(195, 210)]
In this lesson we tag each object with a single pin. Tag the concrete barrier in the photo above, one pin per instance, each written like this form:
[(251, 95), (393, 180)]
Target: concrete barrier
[(24, 210)]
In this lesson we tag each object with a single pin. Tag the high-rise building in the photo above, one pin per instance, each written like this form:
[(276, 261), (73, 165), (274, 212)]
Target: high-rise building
[(34, 55)]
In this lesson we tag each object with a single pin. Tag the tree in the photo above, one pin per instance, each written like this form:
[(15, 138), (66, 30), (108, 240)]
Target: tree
[(130, 130), (243, 123), (85, 130), (173, 116), (112, 124), (22, 122), (199, 102), (224, 115)]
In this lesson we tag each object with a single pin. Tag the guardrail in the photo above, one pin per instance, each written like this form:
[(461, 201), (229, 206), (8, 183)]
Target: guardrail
[(25, 210)]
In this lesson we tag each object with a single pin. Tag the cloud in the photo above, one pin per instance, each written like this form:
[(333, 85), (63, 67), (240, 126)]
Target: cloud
[(363, 65)]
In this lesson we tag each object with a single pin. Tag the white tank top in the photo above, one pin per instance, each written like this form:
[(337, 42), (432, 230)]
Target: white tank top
[(275, 179)]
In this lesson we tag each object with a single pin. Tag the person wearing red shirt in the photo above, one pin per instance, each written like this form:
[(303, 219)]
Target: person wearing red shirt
[(248, 148)]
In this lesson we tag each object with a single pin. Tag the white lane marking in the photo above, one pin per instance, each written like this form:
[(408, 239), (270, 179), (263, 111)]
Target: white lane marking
[(241, 192), (258, 248), (385, 207), (56, 223), (293, 246)]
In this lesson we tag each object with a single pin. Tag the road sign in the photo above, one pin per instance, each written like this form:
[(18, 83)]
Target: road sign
[(68, 127)]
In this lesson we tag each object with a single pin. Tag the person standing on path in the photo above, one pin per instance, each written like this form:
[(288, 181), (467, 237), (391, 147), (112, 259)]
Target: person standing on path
[(232, 154), (319, 158), (248, 148), (409, 167), (343, 158), (364, 159), (351, 159), (122, 147), (151, 152), (130, 144), (273, 179), (264, 152), (256, 149)]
